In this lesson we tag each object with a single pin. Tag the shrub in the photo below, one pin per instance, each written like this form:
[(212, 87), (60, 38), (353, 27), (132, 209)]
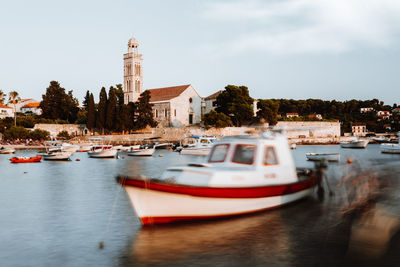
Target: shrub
[(63, 135), (16, 132), (38, 134)]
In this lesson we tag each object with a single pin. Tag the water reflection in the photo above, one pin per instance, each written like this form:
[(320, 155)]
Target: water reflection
[(224, 237)]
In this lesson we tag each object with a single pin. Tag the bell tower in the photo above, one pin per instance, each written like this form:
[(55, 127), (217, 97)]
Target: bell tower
[(133, 76)]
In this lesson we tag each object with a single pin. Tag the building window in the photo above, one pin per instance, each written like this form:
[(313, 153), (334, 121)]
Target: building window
[(214, 103), (165, 113), (175, 112), (156, 113), (190, 100)]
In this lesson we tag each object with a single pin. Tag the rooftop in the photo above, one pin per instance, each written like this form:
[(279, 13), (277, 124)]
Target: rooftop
[(166, 93)]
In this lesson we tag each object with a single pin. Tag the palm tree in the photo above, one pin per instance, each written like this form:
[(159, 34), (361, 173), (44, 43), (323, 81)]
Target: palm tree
[(14, 97), (2, 96)]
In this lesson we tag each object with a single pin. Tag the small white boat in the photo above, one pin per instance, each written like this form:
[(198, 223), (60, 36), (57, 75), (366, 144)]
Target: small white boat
[(56, 155), (390, 148), (293, 146), (323, 156), (201, 146), (242, 175), (85, 147), (65, 147), (142, 152), (7, 150), (102, 151), (163, 145), (360, 143)]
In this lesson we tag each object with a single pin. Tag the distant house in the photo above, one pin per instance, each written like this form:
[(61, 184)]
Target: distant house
[(365, 110), (32, 108), (316, 116), (384, 114), (292, 115), (359, 129), (387, 127), (21, 103), (396, 110), (6, 111), (210, 102)]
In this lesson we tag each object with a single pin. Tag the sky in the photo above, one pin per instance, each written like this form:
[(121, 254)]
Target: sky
[(295, 49)]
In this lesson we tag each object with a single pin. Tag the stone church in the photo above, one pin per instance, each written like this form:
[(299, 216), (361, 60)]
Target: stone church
[(174, 106)]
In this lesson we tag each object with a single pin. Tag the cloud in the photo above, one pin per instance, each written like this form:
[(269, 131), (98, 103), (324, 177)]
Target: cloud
[(307, 26)]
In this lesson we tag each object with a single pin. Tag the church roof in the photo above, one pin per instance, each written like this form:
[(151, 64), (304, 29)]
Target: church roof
[(166, 93)]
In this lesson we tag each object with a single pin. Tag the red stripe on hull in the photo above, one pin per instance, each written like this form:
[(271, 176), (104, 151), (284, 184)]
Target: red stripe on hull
[(222, 192)]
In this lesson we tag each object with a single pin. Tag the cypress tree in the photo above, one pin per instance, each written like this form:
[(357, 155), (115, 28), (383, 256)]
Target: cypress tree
[(91, 121), (85, 102), (111, 109), (102, 110)]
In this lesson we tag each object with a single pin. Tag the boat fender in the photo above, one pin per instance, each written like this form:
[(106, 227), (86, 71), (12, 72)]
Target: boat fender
[(349, 160), (160, 155), (77, 160)]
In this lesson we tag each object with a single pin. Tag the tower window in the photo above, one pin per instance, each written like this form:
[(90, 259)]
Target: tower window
[(175, 112), (190, 100)]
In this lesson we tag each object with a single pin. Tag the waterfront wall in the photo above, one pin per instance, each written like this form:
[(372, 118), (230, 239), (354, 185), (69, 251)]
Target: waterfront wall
[(54, 129), (310, 129)]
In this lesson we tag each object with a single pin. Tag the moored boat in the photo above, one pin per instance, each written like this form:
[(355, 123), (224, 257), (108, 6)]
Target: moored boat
[(201, 146), (7, 150), (102, 151), (57, 155), (142, 152), (323, 156), (25, 159), (390, 148), (360, 143), (242, 175)]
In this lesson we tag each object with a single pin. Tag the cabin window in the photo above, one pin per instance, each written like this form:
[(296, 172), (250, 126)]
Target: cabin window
[(218, 153), (244, 154), (270, 156)]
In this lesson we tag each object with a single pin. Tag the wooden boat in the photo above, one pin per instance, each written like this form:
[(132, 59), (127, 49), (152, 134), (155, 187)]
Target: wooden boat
[(323, 156), (7, 150), (361, 143), (102, 151), (142, 152), (242, 175), (25, 159)]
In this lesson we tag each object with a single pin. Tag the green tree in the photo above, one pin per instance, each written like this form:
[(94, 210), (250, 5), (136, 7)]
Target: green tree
[(144, 112), (56, 104), (14, 98), (102, 110), (91, 116), (267, 111), (85, 102), (63, 135), (111, 109), (236, 103), (38, 134), (2, 96), (215, 119), (82, 117)]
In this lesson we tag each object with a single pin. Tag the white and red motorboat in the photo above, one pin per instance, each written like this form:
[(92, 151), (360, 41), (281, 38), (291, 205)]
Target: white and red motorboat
[(242, 175)]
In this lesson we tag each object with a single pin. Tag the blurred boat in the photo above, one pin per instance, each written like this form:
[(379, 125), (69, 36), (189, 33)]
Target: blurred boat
[(323, 156), (56, 155), (200, 147), (25, 159), (360, 143), (242, 175), (390, 148), (142, 152), (101, 150), (7, 150)]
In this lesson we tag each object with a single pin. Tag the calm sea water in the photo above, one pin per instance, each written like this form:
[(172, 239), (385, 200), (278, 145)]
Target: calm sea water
[(56, 213)]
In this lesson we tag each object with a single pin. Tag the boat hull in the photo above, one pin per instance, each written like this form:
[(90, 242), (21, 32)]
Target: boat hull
[(7, 151), (142, 152), (57, 156), (157, 203), (318, 157), (26, 160), (390, 148), (358, 144), (110, 153)]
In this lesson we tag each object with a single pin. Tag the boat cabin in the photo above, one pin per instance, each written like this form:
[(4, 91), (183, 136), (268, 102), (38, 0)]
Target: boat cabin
[(253, 160)]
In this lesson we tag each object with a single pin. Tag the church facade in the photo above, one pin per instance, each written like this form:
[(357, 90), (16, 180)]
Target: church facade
[(175, 106)]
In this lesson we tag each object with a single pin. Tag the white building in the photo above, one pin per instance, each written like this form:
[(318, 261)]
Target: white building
[(359, 129), (365, 110), (21, 103), (6, 111), (210, 102), (174, 106), (292, 115), (32, 108), (384, 114)]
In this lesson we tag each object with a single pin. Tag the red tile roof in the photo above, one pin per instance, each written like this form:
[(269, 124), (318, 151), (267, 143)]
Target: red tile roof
[(213, 96), (32, 105), (4, 106), (166, 93)]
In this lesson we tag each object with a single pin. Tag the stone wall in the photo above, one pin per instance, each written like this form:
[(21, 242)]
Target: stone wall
[(72, 129), (305, 129)]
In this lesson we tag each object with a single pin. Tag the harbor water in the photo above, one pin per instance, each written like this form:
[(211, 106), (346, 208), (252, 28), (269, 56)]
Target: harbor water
[(56, 213)]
